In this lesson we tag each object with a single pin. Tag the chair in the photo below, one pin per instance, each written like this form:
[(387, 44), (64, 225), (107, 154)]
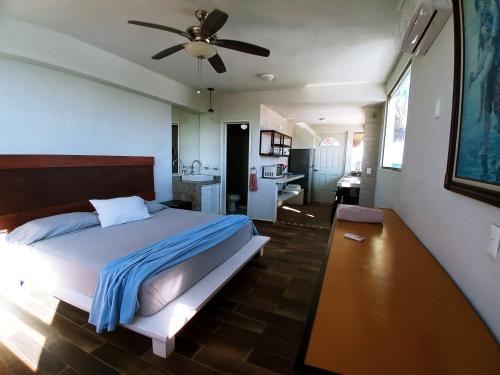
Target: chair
[(344, 195)]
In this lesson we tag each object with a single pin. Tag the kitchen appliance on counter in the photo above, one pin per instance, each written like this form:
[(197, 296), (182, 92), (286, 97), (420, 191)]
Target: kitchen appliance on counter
[(302, 162), (273, 171)]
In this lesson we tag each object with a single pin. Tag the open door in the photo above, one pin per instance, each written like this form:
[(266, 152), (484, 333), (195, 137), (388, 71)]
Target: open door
[(236, 171)]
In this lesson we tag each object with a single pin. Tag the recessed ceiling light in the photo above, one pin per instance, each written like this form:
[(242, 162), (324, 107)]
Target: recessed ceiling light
[(198, 91), (322, 119), (266, 77)]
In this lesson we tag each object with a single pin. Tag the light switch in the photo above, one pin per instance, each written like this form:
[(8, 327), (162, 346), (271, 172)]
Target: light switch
[(494, 241), (437, 109), (368, 171)]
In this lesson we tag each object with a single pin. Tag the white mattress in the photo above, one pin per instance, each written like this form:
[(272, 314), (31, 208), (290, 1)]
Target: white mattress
[(74, 260)]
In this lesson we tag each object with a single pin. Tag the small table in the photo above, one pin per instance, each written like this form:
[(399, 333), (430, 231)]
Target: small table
[(347, 192), (386, 306), (183, 205)]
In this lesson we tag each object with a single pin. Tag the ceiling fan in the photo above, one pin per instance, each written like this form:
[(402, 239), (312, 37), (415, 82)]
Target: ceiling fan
[(203, 39)]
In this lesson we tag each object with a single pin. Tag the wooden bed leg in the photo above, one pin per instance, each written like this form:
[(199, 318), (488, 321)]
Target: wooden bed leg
[(164, 349), (261, 253)]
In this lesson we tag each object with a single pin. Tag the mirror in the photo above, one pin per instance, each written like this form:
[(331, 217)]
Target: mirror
[(185, 141)]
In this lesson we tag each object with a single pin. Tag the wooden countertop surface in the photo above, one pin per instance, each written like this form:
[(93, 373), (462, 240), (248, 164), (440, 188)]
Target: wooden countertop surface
[(387, 307)]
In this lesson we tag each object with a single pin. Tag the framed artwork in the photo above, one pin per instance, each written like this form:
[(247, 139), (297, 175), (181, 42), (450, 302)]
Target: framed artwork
[(474, 154)]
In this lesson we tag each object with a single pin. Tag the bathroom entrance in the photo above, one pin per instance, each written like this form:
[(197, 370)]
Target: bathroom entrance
[(237, 149)]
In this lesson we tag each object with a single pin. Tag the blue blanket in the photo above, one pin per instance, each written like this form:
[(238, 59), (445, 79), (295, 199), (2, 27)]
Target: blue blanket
[(115, 299)]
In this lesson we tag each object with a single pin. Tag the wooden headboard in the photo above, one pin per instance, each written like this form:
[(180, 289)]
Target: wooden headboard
[(34, 186)]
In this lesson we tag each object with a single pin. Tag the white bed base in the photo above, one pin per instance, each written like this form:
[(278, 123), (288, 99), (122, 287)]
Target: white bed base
[(164, 325)]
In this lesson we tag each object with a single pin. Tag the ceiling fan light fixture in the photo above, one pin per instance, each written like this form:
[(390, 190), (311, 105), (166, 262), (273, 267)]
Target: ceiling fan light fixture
[(201, 50)]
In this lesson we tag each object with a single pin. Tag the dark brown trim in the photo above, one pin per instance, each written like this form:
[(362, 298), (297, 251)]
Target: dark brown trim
[(36, 186), (300, 364), (478, 193), (71, 161)]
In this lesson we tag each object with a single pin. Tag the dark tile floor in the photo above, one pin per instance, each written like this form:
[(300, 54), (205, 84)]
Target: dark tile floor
[(253, 326), (314, 215)]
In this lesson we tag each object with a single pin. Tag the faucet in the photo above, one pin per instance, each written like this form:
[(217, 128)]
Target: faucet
[(192, 166), (180, 165)]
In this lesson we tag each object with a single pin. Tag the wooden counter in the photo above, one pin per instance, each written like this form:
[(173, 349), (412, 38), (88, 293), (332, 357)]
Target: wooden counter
[(387, 307)]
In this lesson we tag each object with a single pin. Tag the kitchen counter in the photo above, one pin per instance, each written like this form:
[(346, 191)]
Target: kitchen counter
[(349, 182), (287, 178)]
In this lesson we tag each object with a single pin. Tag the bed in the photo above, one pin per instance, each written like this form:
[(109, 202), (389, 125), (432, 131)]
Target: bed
[(67, 266)]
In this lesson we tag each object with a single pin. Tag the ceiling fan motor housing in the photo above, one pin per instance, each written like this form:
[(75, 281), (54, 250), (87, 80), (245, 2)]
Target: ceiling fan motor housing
[(201, 14)]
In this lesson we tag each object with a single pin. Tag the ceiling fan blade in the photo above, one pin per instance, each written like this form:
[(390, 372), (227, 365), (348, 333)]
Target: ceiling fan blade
[(160, 27), (242, 47), (214, 21), (217, 63), (168, 52)]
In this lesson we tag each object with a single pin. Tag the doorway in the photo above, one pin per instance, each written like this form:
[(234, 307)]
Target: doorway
[(176, 168), (237, 149), (330, 160)]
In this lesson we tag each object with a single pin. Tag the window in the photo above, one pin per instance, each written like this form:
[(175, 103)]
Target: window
[(329, 141), (395, 124), (357, 152)]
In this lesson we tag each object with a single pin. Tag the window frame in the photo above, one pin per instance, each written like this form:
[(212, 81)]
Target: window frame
[(406, 70)]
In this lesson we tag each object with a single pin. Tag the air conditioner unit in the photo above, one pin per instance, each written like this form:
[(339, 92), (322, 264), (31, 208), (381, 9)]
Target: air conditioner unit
[(421, 23)]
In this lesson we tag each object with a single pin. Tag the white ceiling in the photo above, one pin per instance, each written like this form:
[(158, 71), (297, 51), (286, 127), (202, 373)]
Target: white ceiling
[(311, 41), (332, 114)]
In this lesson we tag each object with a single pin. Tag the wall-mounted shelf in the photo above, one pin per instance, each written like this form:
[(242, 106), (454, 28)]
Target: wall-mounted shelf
[(275, 144)]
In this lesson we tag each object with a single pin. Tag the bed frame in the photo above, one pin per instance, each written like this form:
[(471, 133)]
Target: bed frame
[(35, 186)]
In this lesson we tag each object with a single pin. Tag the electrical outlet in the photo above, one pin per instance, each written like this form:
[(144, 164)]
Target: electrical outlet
[(368, 171), (494, 245)]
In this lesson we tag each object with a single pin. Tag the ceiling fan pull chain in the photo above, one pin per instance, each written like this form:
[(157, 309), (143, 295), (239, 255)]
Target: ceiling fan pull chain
[(201, 73)]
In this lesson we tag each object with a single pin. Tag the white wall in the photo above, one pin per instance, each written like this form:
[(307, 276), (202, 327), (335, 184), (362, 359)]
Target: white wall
[(304, 137), (43, 111), (271, 120), (453, 227), (210, 144), (39, 45), (235, 107)]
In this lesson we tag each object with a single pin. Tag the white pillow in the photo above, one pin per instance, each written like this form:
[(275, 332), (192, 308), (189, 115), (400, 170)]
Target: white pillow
[(120, 210)]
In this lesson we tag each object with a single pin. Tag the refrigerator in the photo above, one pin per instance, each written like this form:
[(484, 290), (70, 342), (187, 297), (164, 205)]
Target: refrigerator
[(302, 162)]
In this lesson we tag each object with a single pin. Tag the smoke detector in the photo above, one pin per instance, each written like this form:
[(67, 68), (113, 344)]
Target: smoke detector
[(266, 77)]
